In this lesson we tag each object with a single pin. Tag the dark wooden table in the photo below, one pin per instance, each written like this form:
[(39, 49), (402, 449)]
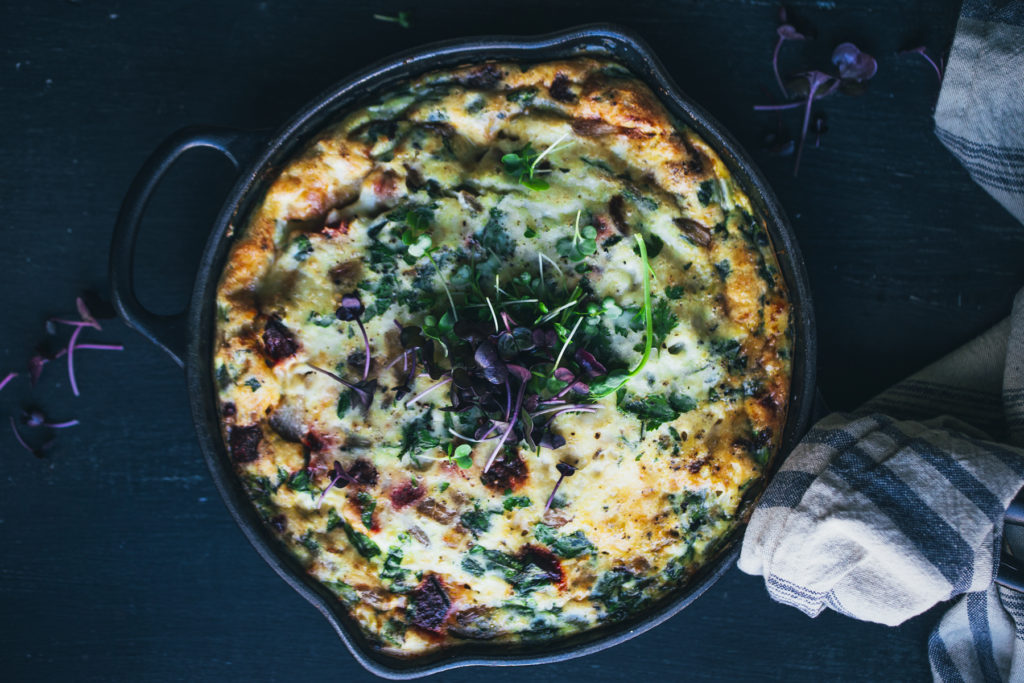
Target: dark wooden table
[(119, 560)]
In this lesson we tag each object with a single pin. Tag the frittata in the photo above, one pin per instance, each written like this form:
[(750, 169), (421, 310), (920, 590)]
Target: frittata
[(499, 353)]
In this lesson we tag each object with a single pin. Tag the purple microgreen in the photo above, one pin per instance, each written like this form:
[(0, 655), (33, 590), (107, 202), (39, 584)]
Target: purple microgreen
[(351, 310), (590, 364), (38, 452), (778, 107), (36, 418), (338, 474), (853, 64), (7, 380), (403, 356), (85, 315), (564, 470), (486, 358), (71, 359), (815, 81), (511, 426), (429, 389), (40, 359), (362, 391), (923, 52), (93, 347), (786, 32)]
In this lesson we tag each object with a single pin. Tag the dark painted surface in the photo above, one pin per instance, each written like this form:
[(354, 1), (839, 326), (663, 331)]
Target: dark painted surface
[(119, 560)]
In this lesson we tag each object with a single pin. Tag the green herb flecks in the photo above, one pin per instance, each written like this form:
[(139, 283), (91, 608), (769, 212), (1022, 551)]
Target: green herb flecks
[(564, 545), (402, 19), (617, 378)]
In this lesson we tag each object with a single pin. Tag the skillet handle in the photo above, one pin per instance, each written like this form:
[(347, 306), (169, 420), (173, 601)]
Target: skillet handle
[(166, 331)]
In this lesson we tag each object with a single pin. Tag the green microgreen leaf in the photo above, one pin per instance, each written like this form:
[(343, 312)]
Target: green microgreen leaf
[(617, 378)]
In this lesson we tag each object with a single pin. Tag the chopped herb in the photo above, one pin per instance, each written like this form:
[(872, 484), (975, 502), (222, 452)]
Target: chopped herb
[(663, 321), (402, 19), (308, 542), (363, 544), (523, 96), (253, 384), (321, 320), (564, 545), (620, 592), (301, 248), (333, 519), (477, 521), (653, 411), (300, 483), (494, 237), (512, 502), (367, 505), (462, 456), (346, 593), (675, 291), (723, 268), (707, 191)]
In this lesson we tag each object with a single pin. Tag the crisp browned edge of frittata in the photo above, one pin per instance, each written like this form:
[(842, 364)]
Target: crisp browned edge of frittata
[(675, 159)]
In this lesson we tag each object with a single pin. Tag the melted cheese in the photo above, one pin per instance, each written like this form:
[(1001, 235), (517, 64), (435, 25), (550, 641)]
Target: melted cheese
[(649, 501)]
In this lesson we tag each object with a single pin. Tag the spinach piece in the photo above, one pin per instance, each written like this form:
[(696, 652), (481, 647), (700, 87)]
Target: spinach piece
[(346, 593), (417, 436), (477, 521), (321, 320), (392, 570), (675, 292), (253, 384), (640, 200), (367, 505), (344, 403), (597, 163), (731, 352), (512, 502), (494, 237), (525, 576), (620, 592), (333, 519), (363, 544), (663, 321), (309, 543), (653, 411), (301, 248), (523, 96), (300, 483), (707, 191), (564, 545), (723, 268)]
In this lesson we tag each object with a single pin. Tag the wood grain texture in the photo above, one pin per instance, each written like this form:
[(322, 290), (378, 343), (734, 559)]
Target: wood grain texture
[(120, 561)]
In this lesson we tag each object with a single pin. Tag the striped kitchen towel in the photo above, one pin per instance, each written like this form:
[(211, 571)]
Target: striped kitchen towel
[(883, 513), (980, 113)]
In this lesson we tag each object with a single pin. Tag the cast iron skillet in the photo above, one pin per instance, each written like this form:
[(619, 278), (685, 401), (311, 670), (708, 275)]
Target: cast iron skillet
[(188, 336)]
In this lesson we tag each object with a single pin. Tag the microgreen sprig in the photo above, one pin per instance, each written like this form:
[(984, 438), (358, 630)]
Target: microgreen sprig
[(522, 165), (617, 378), (582, 244), (402, 19)]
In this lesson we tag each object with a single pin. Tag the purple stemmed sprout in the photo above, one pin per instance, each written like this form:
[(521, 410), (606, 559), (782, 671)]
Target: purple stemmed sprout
[(337, 474), (920, 50), (362, 391), (7, 380), (86, 319), (351, 310), (854, 68), (786, 31), (564, 470)]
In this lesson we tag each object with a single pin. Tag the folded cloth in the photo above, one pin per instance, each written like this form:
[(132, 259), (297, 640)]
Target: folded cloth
[(980, 112), (881, 516), (883, 513)]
